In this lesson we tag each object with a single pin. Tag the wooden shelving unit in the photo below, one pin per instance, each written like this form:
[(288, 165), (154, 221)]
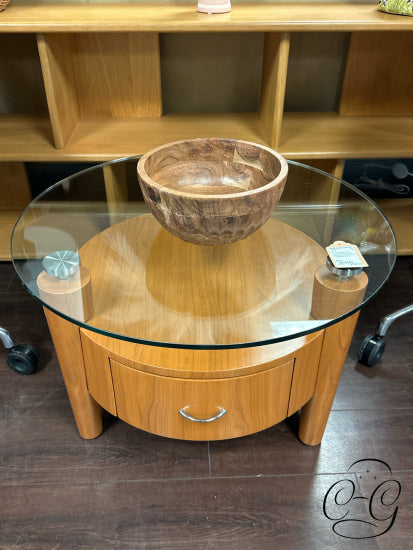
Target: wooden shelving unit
[(101, 68), (183, 17)]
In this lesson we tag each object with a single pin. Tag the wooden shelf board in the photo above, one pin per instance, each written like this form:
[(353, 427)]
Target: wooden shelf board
[(183, 17), (400, 214), (329, 135), (26, 138), (304, 136), (29, 139), (7, 220), (134, 136)]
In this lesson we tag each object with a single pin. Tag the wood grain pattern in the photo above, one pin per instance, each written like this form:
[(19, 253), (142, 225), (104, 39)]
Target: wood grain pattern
[(212, 191), (329, 135), (58, 69), (274, 78), (14, 186), (94, 75), (72, 297), (117, 74), (151, 384), (379, 77), (151, 403), (166, 17), (334, 297), (314, 415), (304, 135), (159, 293), (15, 195), (98, 374), (305, 372), (196, 364), (66, 340), (7, 220), (30, 137)]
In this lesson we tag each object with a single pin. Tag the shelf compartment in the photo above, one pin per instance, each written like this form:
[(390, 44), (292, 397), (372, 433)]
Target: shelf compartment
[(29, 138), (109, 75), (304, 135), (26, 138), (378, 79), (329, 135)]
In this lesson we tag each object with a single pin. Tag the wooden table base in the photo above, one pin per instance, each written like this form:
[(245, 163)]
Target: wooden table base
[(156, 286), (66, 340), (259, 386)]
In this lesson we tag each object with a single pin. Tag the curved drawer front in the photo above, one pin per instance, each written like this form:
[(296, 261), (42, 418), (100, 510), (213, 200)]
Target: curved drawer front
[(210, 409)]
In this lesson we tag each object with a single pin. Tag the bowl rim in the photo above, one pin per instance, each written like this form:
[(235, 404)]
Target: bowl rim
[(281, 176)]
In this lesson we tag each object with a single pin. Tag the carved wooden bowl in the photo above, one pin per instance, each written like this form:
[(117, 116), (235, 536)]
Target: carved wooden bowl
[(212, 191)]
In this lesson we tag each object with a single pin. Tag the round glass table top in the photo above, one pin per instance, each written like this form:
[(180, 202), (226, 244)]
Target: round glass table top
[(90, 250)]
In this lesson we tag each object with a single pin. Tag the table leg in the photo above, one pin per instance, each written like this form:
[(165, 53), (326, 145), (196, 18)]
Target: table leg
[(67, 343), (315, 413)]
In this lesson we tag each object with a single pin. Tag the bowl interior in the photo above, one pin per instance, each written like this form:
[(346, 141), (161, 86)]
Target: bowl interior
[(212, 166)]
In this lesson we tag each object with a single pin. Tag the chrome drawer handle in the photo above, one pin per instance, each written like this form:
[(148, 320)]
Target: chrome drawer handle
[(186, 415)]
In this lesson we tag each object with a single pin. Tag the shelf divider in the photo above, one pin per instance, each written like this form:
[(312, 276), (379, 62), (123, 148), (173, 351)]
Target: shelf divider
[(107, 75), (58, 75), (274, 79)]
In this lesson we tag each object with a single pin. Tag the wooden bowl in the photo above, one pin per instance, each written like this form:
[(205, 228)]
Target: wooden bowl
[(212, 191)]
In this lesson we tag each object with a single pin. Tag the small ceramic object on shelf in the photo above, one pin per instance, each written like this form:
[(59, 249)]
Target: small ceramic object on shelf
[(3, 4), (212, 191), (397, 7), (214, 6)]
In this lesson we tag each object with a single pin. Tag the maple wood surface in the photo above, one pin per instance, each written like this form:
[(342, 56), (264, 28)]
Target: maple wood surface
[(314, 415), (334, 297), (171, 16), (252, 402), (71, 297), (303, 135), (66, 341), (150, 285), (374, 62), (148, 385), (193, 363)]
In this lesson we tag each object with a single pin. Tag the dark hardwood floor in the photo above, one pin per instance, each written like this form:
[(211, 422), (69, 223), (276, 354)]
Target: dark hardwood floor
[(131, 490)]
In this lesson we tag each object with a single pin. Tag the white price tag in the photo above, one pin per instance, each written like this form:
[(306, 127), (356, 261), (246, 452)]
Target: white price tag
[(345, 255)]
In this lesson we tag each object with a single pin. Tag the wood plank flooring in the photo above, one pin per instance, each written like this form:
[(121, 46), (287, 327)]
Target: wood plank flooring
[(131, 490)]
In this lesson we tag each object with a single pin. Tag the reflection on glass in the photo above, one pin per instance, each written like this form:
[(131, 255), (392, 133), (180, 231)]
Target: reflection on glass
[(149, 286)]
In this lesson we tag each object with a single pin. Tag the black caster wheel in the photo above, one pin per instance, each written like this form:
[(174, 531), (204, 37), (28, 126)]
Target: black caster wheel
[(371, 350), (23, 359)]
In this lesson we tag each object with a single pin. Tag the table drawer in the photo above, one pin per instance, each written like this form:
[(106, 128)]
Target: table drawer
[(219, 408)]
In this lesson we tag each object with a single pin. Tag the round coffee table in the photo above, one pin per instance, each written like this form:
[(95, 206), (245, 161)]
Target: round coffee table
[(198, 342)]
